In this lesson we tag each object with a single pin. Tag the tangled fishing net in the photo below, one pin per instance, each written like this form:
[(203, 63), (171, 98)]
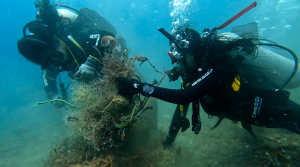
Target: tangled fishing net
[(108, 129), (105, 116)]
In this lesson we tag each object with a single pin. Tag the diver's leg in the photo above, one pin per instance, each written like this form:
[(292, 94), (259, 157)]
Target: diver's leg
[(288, 119), (178, 121)]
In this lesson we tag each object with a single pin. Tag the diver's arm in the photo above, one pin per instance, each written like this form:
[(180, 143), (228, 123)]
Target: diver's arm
[(48, 14), (212, 79), (50, 84), (176, 96)]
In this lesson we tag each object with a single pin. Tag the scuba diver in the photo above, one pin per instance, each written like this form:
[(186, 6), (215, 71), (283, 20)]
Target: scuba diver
[(65, 39), (231, 75)]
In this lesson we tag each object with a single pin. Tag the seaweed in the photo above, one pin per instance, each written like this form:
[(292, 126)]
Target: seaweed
[(106, 128), (104, 115)]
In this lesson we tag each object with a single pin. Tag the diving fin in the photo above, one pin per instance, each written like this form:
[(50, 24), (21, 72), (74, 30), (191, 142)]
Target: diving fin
[(248, 127), (185, 124), (218, 123)]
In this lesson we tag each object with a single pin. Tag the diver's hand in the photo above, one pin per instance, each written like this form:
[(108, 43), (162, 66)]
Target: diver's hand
[(87, 71), (58, 104), (128, 87)]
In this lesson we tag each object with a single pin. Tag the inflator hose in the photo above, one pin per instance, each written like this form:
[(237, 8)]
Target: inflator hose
[(26, 26)]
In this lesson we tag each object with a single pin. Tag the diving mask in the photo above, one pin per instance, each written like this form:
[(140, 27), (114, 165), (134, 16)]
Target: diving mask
[(174, 54)]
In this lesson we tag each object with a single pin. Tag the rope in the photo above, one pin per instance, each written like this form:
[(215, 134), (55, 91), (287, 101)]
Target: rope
[(56, 100)]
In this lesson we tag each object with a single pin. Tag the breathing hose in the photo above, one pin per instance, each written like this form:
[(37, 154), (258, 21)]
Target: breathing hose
[(295, 59)]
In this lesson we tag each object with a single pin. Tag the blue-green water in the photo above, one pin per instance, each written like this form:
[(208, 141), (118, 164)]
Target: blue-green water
[(27, 132)]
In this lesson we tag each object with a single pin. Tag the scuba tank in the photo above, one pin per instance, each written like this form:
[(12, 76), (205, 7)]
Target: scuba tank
[(65, 12), (267, 64)]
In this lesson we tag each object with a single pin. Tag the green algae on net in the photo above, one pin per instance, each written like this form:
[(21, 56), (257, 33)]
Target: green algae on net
[(56, 100), (131, 120), (103, 119)]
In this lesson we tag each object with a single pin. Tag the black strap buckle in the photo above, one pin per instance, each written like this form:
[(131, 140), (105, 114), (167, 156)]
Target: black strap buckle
[(196, 121)]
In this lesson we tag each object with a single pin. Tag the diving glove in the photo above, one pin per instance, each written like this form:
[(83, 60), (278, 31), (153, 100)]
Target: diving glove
[(87, 71), (46, 12), (128, 87)]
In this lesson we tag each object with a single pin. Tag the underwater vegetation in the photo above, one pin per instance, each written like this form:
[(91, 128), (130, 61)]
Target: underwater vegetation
[(107, 129), (106, 117), (82, 155)]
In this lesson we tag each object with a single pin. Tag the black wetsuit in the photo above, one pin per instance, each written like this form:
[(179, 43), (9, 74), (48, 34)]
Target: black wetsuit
[(94, 24), (222, 93), (77, 57)]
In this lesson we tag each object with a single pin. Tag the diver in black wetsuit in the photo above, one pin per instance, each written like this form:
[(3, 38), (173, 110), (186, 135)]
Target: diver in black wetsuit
[(210, 75), (65, 39)]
